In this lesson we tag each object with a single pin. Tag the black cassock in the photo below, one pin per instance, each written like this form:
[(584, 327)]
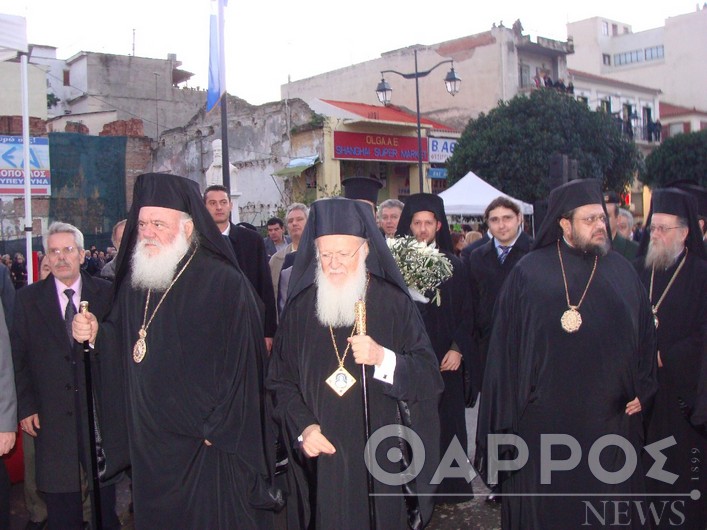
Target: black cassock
[(199, 380), (542, 380), (303, 358), (449, 326), (682, 333)]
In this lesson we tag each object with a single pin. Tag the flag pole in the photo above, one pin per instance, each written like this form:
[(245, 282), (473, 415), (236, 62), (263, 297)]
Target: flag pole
[(226, 166), (217, 82), (27, 173)]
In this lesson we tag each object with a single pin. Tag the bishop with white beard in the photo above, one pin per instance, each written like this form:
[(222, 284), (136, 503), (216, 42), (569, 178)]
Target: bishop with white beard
[(316, 374), (181, 355)]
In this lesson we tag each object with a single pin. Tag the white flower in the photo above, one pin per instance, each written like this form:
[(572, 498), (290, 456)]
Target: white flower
[(423, 267)]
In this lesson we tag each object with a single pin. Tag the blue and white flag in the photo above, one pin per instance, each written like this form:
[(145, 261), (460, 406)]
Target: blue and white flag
[(217, 59)]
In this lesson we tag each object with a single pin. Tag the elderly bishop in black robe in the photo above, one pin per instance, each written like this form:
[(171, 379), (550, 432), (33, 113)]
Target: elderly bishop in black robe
[(674, 271), (182, 352), (317, 379), (571, 360)]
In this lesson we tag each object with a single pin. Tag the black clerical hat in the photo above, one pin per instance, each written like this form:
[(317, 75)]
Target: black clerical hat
[(362, 188), (563, 200), (177, 193), (337, 218), (674, 201), (693, 188), (426, 202), (344, 217)]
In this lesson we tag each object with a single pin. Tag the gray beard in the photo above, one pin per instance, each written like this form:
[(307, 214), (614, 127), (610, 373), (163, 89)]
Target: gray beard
[(335, 304), (663, 258), (157, 272)]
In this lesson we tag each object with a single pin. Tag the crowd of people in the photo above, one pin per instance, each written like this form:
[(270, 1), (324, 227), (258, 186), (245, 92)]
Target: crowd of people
[(293, 380)]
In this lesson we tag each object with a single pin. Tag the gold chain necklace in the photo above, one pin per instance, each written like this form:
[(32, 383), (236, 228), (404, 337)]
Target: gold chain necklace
[(571, 319), (341, 379), (655, 307), (140, 348)]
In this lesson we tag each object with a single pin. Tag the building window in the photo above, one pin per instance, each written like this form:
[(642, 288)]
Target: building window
[(605, 105), (654, 53), (67, 78), (605, 28), (676, 128), (524, 75), (626, 30), (614, 30), (606, 59), (583, 99), (635, 56)]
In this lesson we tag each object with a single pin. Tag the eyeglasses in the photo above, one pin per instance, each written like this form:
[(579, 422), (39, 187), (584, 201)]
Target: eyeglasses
[(341, 256), (661, 229), (505, 218), (56, 252), (589, 221)]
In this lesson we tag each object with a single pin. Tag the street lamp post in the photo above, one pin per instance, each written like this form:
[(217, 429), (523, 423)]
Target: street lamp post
[(384, 93)]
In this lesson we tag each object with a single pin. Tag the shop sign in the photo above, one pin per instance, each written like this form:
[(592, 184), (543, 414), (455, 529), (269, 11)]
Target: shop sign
[(441, 149), (379, 147)]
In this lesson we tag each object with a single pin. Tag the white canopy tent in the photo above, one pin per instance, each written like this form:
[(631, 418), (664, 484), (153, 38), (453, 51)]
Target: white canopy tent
[(470, 196), (13, 40)]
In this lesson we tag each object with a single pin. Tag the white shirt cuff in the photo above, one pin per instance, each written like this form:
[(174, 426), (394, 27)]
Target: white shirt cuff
[(386, 371)]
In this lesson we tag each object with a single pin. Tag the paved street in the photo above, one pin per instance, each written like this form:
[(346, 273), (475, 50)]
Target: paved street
[(476, 514), (473, 515)]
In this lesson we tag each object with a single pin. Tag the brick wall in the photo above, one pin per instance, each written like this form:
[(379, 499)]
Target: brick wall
[(12, 126), (131, 128), (76, 127), (138, 156)]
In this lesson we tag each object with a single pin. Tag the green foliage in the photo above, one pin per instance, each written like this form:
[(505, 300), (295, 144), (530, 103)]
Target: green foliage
[(683, 156), (52, 100), (511, 146)]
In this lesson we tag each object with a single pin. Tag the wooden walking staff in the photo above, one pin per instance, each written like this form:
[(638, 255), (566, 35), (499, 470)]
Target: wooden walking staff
[(97, 516), (360, 311)]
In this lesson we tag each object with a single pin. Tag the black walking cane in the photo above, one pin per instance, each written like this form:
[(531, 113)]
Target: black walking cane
[(92, 428), (360, 309)]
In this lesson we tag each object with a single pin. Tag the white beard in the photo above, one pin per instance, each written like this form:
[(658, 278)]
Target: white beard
[(157, 272), (335, 303), (662, 257)]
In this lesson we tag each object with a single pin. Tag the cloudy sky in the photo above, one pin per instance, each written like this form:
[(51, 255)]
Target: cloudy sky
[(270, 40)]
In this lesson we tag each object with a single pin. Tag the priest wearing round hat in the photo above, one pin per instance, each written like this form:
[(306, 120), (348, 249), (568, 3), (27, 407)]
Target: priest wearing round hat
[(674, 272), (316, 374), (181, 355), (571, 359)]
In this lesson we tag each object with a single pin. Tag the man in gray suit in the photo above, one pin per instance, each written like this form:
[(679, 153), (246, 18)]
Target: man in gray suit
[(8, 418)]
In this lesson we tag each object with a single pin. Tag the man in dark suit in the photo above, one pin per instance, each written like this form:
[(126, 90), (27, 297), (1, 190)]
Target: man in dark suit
[(627, 248), (50, 378), (488, 267), (250, 252)]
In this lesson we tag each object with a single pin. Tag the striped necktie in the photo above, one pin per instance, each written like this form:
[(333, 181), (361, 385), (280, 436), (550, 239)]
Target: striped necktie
[(504, 253)]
